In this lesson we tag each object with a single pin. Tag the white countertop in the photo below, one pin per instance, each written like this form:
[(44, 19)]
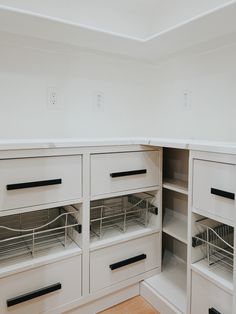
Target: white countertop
[(16, 144), (211, 146)]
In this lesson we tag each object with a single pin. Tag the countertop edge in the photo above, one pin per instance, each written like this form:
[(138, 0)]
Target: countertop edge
[(200, 145)]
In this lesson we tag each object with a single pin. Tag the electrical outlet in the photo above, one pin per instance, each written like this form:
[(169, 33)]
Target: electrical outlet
[(187, 100), (53, 98), (99, 101)]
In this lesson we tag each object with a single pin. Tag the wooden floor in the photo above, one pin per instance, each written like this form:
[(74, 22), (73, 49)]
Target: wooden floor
[(136, 305)]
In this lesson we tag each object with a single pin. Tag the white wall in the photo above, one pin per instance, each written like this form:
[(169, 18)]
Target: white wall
[(29, 67), (210, 78), (140, 99)]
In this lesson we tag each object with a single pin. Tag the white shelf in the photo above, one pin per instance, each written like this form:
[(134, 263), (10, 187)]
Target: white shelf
[(113, 236), (171, 283), (45, 257), (203, 28), (219, 276), (176, 225), (176, 185), (213, 216)]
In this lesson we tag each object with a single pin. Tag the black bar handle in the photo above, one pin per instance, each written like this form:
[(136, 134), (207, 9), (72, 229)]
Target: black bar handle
[(34, 294), (34, 184), (223, 193), (127, 173), (213, 311), (128, 261)]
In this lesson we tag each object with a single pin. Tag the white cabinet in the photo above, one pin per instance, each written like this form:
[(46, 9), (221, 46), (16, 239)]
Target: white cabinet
[(28, 182), (124, 222), (122, 261), (212, 231), (31, 192), (214, 185), (122, 172), (44, 288), (207, 298), (119, 174)]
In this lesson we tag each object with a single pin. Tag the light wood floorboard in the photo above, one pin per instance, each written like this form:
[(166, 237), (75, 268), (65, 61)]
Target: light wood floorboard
[(136, 305)]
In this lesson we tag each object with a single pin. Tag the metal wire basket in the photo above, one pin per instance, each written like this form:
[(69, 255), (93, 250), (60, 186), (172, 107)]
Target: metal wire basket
[(218, 241), (30, 233), (121, 212)]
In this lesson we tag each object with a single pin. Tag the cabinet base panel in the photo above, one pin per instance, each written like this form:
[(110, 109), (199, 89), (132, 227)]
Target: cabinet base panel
[(156, 300)]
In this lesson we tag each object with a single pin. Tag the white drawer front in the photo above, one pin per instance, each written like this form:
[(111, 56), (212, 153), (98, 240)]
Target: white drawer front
[(214, 185), (118, 172), (106, 265), (206, 295), (66, 272), (55, 179)]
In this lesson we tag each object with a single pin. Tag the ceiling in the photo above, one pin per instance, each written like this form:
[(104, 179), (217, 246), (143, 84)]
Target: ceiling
[(132, 18)]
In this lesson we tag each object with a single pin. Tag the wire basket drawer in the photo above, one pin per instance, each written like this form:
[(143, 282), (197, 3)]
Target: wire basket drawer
[(121, 212), (28, 234), (217, 240)]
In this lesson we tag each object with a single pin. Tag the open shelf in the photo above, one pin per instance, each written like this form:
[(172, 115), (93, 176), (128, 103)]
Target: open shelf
[(175, 170), (175, 225), (218, 275), (176, 185), (171, 283), (203, 28)]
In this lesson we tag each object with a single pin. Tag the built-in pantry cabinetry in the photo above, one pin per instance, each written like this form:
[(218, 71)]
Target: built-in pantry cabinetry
[(202, 277), (85, 227), (88, 224), (77, 224)]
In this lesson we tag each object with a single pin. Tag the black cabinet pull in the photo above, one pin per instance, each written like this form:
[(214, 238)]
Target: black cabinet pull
[(26, 185), (223, 193), (127, 173), (128, 261), (32, 295), (213, 311)]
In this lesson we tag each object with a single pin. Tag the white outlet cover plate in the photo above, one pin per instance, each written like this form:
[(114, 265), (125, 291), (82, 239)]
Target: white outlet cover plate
[(98, 101), (54, 101), (187, 100)]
